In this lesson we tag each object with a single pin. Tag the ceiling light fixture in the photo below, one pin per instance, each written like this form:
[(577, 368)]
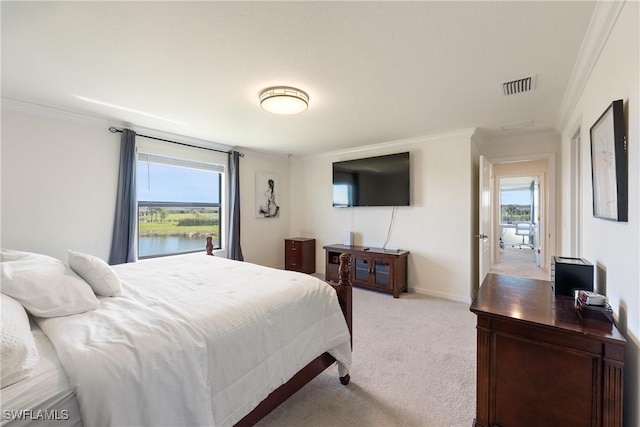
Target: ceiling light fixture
[(284, 100)]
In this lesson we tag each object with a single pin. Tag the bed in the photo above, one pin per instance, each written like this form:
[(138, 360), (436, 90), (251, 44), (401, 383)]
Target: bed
[(181, 340)]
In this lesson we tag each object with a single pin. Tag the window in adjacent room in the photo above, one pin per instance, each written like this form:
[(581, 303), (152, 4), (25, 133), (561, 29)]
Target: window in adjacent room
[(342, 195), (179, 205)]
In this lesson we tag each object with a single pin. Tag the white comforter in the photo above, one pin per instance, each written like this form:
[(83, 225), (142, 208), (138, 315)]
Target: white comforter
[(195, 340)]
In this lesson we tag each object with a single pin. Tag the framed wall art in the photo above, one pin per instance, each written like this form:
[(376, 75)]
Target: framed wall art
[(267, 195), (609, 164)]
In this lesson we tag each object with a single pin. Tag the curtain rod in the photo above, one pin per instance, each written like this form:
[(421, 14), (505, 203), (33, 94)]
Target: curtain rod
[(115, 130)]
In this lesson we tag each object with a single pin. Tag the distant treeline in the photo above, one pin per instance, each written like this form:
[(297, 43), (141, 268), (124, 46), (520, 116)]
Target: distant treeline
[(198, 221)]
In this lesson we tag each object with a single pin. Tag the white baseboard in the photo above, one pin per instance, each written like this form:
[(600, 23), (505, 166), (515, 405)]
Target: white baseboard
[(443, 295)]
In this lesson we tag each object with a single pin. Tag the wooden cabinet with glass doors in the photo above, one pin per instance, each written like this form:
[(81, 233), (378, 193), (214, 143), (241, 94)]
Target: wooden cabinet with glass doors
[(373, 268)]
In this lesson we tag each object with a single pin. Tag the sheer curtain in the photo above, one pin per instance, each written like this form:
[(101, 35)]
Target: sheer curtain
[(234, 251), (123, 242)]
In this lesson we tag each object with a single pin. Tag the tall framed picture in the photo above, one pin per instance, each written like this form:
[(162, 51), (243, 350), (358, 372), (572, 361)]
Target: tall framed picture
[(609, 165), (267, 195)]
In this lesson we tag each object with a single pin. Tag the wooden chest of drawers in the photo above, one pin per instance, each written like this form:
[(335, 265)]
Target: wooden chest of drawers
[(539, 364), (300, 255)]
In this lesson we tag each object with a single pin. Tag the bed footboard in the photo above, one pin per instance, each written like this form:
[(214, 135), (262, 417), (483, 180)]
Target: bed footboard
[(316, 366), (344, 291)]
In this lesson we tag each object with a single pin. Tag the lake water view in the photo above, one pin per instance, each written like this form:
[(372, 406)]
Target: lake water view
[(156, 245)]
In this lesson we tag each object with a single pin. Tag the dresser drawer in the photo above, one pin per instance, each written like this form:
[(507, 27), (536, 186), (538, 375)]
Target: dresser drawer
[(293, 246), (300, 255), (293, 263)]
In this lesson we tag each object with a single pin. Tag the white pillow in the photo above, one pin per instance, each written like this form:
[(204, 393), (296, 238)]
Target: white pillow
[(97, 273), (7, 255), (46, 287), (18, 352)]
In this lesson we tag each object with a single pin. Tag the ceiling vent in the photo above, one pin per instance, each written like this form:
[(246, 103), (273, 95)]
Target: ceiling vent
[(526, 84)]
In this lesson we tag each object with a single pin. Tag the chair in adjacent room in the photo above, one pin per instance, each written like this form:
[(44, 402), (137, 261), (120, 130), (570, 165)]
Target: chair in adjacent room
[(524, 229)]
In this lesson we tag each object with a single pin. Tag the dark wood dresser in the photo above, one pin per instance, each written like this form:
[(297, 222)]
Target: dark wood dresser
[(300, 254), (539, 364)]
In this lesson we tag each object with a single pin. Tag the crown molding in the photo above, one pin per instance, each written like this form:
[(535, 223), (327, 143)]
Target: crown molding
[(602, 22), (421, 140), (97, 122), (54, 113), (101, 123)]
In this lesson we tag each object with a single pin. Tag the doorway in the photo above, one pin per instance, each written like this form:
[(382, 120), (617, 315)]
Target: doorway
[(519, 227), (520, 218)]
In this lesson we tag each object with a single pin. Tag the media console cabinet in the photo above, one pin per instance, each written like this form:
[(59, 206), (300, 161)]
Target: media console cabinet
[(373, 268), (539, 364)]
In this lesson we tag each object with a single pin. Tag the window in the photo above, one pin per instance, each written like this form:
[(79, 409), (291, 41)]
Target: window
[(342, 195), (179, 205)]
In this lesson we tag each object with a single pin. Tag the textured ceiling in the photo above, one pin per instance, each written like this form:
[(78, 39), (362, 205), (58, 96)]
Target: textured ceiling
[(375, 71)]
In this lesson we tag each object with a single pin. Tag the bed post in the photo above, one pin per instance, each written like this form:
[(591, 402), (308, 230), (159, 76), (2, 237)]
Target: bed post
[(344, 291)]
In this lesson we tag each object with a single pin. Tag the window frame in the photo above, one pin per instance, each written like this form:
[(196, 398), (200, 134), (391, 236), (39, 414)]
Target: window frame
[(150, 149)]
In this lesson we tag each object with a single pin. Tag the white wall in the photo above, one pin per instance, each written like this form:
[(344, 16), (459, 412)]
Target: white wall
[(263, 238), (436, 228), (59, 183), (613, 247)]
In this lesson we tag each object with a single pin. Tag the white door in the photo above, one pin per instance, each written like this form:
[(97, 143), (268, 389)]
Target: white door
[(484, 236)]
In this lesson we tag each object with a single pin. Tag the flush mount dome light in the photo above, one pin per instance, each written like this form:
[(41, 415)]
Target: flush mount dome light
[(284, 100)]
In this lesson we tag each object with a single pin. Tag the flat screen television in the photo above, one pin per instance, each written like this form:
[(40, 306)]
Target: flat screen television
[(372, 181)]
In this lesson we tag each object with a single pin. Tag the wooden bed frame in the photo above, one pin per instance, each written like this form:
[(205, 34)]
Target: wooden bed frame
[(317, 365)]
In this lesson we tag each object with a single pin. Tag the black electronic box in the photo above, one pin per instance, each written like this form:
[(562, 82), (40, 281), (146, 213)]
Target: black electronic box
[(569, 274)]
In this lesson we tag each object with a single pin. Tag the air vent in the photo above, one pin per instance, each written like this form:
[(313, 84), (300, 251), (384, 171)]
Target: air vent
[(526, 84)]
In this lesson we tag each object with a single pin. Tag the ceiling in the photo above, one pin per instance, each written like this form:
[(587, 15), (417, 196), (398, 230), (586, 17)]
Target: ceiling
[(375, 72), (517, 183)]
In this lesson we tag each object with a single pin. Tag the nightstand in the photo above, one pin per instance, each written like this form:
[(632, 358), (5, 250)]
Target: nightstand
[(300, 255)]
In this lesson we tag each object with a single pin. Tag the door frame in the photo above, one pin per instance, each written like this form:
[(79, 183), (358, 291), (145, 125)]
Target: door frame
[(576, 186), (485, 217), (548, 246), (496, 215)]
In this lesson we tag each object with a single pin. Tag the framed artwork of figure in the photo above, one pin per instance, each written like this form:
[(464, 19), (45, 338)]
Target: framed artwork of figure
[(267, 195)]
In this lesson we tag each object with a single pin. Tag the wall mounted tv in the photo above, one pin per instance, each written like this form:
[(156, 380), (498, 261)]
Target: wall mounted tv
[(373, 181)]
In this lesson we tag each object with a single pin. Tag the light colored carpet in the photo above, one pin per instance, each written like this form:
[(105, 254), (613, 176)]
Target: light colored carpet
[(518, 262), (414, 364)]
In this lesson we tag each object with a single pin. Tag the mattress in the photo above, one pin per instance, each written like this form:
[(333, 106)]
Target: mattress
[(45, 397)]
